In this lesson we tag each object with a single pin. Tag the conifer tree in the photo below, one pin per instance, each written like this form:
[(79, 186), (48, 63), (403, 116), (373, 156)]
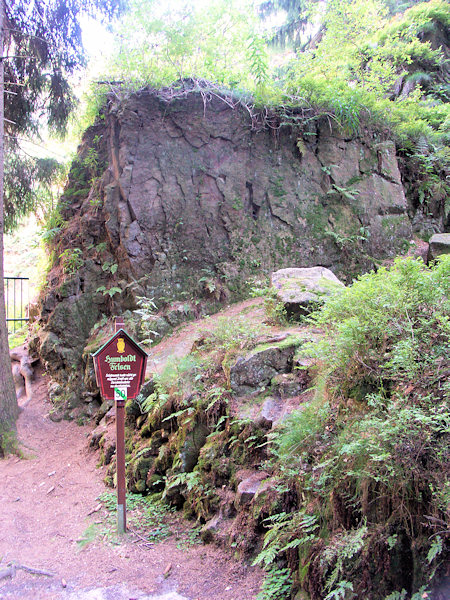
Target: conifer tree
[(40, 47)]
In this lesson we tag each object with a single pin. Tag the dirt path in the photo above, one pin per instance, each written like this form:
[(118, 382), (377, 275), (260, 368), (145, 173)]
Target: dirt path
[(45, 502), (180, 342)]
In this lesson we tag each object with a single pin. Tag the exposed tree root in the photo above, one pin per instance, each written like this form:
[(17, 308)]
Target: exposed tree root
[(22, 372), (10, 571)]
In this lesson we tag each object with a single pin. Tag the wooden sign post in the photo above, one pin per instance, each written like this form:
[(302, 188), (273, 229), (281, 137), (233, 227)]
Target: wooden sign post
[(120, 370)]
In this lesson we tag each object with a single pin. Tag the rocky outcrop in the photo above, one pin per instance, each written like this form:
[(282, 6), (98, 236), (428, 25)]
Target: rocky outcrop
[(249, 486), (182, 193)]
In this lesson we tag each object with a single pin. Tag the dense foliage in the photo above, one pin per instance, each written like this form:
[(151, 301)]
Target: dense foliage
[(365, 65), (218, 41), (367, 457), (30, 184), (42, 49), (363, 61)]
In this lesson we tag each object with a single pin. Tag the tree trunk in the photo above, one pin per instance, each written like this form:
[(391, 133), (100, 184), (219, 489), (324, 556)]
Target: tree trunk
[(9, 409)]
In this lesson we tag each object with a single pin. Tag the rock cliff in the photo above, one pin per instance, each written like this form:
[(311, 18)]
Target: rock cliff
[(177, 195)]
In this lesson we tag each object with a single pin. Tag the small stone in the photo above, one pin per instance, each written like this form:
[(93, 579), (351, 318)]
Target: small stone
[(255, 371), (271, 411), (209, 529), (248, 487), (439, 244)]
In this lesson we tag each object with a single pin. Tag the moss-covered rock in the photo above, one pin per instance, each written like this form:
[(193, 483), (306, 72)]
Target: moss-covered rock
[(254, 371)]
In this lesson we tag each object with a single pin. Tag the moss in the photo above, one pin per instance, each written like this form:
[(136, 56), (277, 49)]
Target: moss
[(291, 340), (140, 486), (277, 188), (391, 222), (316, 219), (155, 483), (279, 243), (213, 461), (245, 440), (132, 409), (147, 430), (163, 461)]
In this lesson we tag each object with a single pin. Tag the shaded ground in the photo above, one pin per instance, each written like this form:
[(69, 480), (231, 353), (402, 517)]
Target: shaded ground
[(46, 499)]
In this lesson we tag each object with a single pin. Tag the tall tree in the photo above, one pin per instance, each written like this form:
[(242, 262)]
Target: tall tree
[(8, 403), (289, 33), (40, 47)]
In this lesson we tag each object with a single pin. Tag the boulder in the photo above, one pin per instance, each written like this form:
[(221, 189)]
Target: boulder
[(439, 244), (301, 289), (254, 371), (248, 487)]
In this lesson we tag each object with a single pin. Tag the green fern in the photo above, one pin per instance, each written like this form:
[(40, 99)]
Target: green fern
[(277, 584), (344, 548), (286, 530)]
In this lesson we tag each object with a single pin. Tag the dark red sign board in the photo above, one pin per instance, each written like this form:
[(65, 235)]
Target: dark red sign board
[(120, 365)]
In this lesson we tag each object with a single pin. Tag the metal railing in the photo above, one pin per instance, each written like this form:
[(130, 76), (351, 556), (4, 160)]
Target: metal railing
[(16, 301)]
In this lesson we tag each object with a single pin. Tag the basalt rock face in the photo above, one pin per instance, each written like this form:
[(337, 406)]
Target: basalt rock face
[(194, 188), (191, 195)]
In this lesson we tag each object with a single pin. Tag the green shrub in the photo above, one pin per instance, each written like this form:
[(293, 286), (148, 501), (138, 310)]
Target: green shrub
[(71, 260), (367, 455), (387, 328)]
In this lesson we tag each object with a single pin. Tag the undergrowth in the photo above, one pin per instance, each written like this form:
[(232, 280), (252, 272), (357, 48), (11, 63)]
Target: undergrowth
[(145, 515), (367, 456), (356, 500)]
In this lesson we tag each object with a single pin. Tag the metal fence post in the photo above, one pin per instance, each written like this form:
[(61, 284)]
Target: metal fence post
[(21, 310)]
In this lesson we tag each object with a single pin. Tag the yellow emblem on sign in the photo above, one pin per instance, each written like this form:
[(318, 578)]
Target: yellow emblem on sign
[(120, 345)]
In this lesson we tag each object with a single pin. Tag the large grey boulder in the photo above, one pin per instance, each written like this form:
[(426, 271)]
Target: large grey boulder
[(439, 244), (300, 289)]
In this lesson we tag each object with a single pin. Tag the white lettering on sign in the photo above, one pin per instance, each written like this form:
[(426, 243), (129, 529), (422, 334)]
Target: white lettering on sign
[(119, 380), (119, 363), (120, 359)]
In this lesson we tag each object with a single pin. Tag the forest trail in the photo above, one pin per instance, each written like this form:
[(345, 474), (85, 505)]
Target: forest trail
[(47, 500), (180, 343)]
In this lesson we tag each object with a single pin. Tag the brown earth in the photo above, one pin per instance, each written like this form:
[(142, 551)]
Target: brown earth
[(180, 343), (46, 498)]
